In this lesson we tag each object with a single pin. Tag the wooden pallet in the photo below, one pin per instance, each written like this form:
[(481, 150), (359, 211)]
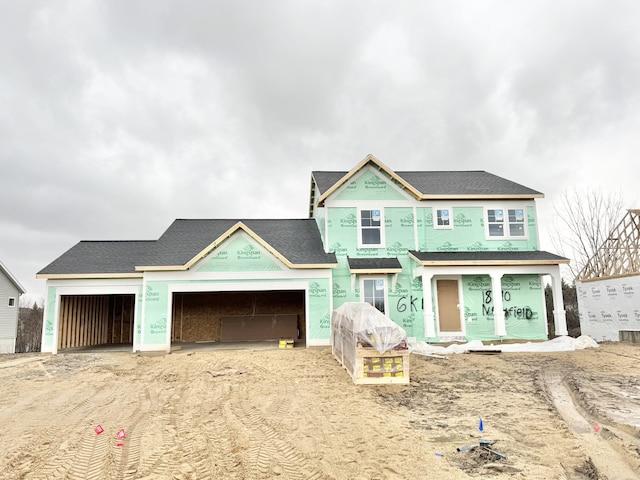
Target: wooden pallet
[(371, 367)]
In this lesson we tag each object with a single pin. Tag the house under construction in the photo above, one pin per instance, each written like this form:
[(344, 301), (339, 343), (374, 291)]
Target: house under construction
[(608, 286)]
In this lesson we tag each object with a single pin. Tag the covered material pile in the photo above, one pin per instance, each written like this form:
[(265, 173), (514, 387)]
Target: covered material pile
[(369, 345)]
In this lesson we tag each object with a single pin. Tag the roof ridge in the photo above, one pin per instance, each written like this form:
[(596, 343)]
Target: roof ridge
[(115, 241)]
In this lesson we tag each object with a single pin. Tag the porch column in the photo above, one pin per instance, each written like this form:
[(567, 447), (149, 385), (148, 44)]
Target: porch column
[(498, 308), (428, 316), (559, 314)]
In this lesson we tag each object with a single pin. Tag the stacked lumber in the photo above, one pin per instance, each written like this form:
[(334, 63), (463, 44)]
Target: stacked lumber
[(370, 346)]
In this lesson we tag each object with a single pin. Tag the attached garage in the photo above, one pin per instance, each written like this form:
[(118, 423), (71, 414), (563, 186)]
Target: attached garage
[(238, 316), (201, 281)]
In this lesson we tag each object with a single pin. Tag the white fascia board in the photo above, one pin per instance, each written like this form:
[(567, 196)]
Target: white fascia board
[(96, 283), (454, 203), (368, 204), (236, 287), (98, 289), (221, 276), (487, 270)]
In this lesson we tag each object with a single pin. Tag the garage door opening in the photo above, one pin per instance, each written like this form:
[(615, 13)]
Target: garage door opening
[(91, 320), (238, 316)]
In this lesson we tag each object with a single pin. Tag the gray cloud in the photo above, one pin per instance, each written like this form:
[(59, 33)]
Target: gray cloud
[(120, 116)]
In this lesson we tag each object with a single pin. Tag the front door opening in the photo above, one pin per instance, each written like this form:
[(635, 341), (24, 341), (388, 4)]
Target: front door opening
[(448, 306)]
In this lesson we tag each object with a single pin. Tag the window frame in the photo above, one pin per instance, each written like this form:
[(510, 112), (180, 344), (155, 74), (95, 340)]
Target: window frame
[(385, 297), (506, 223), (435, 218), (362, 227), (11, 302)]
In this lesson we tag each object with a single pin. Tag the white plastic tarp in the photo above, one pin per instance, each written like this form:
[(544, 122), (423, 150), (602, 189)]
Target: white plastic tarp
[(365, 324)]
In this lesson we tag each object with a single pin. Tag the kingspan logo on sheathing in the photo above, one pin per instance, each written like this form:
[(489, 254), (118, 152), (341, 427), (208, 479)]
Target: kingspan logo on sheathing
[(315, 290), (508, 247), (375, 183), (396, 249), (408, 321), (325, 321), (248, 253), (461, 220), (338, 291), (158, 327), (477, 247), (151, 295), (338, 249), (349, 221), (407, 220), (221, 255), (469, 315), (447, 247), (367, 252), (400, 289), (479, 283), (509, 283), (535, 284), (428, 220)]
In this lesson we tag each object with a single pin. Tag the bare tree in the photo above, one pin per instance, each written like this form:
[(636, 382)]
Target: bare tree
[(587, 217)]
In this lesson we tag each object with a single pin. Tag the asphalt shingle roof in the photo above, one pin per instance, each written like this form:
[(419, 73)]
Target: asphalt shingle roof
[(373, 263), (100, 257), (536, 256), (297, 240), (449, 183)]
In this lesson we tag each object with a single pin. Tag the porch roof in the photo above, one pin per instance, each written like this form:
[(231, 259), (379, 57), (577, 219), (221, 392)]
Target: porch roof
[(439, 259), (374, 265)]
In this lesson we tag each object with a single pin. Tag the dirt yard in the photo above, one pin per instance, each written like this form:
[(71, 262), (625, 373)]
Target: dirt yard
[(294, 414)]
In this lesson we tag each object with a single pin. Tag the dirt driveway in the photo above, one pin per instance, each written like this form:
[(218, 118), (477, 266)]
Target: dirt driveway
[(294, 414)]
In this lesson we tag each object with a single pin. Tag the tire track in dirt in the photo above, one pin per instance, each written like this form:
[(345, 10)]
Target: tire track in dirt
[(269, 454), (104, 455), (66, 427), (603, 450), (149, 431)]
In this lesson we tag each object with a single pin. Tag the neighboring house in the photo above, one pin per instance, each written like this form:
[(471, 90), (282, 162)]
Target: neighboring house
[(10, 291), (608, 286), (446, 255)]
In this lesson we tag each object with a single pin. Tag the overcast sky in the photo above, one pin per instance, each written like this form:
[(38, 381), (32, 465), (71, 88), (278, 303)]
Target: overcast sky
[(119, 116)]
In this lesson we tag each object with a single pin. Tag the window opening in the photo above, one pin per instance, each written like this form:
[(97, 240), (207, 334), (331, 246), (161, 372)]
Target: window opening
[(371, 227), (374, 293)]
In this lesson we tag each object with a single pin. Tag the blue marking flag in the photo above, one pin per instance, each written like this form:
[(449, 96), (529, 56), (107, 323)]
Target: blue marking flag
[(481, 426)]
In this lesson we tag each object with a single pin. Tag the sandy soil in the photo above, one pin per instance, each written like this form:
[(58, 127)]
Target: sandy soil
[(295, 414)]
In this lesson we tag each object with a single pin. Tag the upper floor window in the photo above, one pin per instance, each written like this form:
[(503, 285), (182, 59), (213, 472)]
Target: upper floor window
[(12, 302), (506, 223), (442, 218), (371, 228)]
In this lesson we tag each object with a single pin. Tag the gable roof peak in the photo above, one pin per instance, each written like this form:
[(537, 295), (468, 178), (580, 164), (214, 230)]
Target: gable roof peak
[(11, 278), (369, 159)]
